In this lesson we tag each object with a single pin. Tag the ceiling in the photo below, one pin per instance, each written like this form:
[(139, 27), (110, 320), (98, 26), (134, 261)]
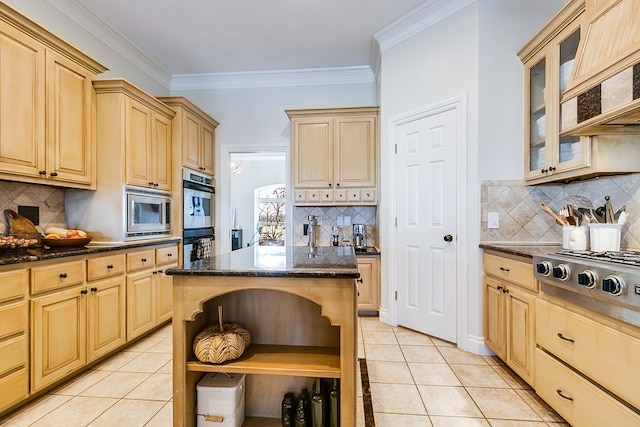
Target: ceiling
[(205, 36)]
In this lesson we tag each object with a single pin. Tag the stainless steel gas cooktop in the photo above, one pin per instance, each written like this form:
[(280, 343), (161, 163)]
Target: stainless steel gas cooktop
[(605, 282)]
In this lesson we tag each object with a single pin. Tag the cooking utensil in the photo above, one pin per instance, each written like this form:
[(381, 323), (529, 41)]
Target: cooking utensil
[(616, 215), (561, 220), (608, 211), (579, 202), (600, 214)]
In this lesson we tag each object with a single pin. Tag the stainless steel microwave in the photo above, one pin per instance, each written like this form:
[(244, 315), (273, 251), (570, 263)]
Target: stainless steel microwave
[(148, 213)]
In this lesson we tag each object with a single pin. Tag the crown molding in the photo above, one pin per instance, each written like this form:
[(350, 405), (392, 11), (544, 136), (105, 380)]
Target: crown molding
[(415, 21), (274, 78), (112, 38)]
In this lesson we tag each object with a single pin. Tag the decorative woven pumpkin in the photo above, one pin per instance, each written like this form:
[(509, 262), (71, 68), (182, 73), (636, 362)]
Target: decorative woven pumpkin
[(222, 342)]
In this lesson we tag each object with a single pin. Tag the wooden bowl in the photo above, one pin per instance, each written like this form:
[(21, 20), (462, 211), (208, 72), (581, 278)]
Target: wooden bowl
[(65, 242)]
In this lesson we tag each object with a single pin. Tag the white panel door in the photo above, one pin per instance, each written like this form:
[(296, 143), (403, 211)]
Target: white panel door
[(426, 224)]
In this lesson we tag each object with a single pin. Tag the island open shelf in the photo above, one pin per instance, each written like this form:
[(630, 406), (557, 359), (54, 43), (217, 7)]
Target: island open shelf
[(305, 361), (302, 325)]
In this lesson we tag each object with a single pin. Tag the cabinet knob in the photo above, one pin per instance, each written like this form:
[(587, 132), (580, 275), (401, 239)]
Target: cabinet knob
[(338, 184), (63, 275), (53, 174), (42, 172)]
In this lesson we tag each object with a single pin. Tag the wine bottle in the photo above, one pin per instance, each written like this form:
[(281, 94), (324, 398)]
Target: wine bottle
[(334, 411), (317, 406), (301, 419), (288, 409)]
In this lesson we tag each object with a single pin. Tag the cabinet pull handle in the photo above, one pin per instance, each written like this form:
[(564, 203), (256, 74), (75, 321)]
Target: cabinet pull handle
[(505, 291), (94, 289), (159, 271), (150, 184), (562, 337), (143, 260), (563, 396), (54, 174), (544, 170), (84, 292), (170, 254), (499, 288), (109, 266), (552, 168), (504, 269), (359, 280), (63, 275), (42, 172)]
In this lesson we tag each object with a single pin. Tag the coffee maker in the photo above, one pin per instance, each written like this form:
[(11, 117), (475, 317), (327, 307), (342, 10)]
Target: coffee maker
[(359, 240)]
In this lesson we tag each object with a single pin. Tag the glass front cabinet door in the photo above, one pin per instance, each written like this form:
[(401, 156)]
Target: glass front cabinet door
[(548, 69)]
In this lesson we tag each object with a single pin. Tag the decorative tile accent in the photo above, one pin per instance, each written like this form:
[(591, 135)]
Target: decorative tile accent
[(329, 216), (590, 103), (49, 199), (636, 81), (522, 220)]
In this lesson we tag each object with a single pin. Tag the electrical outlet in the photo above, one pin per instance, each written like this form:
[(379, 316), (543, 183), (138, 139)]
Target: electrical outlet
[(319, 220), (493, 220), (340, 221), (347, 220)]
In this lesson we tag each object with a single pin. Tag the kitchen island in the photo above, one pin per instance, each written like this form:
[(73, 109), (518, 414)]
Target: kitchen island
[(298, 303)]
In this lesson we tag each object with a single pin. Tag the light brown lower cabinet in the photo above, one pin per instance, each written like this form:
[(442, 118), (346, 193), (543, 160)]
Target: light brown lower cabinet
[(106, 317), (368, 284), (58, 336), (14, 339), (510, 292)]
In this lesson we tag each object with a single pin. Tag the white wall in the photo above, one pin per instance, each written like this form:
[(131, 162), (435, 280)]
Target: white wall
[(472, 53), (505, 27)]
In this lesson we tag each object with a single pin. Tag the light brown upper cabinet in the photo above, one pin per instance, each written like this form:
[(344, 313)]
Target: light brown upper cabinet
[(47, 98), (194, 133), (333, 154), (551, 155), (135, 131)]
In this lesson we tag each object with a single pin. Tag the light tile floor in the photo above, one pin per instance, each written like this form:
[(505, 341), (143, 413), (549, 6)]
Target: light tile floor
[(415, 380)]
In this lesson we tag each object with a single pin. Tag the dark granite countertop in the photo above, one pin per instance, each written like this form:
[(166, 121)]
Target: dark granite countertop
[(527, 251), (45, 253), (278, 261)]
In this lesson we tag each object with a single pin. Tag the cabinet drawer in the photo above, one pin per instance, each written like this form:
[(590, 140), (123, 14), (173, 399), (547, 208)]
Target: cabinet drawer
[(13, 354), (14, 388), (326, 195), (108, 266), (166, 255), (368, 195), (140, 260), (13, 284), (57, 276), (583, 403), (12, 319), (300, 195), (516, 272), (573, 338)]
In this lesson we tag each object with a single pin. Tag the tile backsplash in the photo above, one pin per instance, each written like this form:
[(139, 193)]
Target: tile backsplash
[(49, 200), (329, 217), (522, 220)]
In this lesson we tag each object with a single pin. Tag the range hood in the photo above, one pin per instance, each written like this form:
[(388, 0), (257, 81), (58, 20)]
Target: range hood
[(603, 93)]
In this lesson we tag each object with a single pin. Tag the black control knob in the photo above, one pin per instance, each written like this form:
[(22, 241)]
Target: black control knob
[(614, 285), (587, 279), (561, 272), (543, 268)]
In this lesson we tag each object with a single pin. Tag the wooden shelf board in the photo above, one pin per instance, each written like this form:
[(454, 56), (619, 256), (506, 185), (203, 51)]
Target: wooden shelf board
[(323, 362)]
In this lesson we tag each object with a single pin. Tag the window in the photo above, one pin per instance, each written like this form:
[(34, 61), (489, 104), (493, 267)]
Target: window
[(271, 214)]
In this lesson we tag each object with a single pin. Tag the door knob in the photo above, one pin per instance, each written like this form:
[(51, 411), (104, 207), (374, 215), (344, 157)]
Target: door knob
[(448, 238)]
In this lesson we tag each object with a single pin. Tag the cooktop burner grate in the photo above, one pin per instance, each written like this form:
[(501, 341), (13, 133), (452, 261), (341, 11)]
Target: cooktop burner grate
[(620, 257)]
